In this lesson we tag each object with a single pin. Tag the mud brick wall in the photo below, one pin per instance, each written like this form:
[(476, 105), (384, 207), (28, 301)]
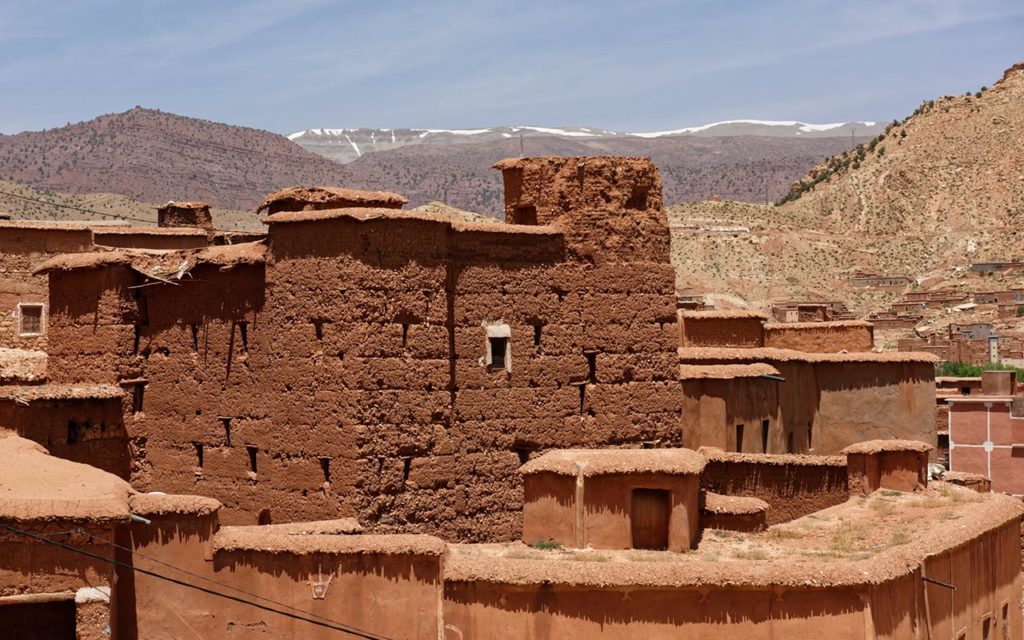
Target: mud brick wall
[(721, 332), (21, 248), (802, 485), (827, 338), (348, 369)]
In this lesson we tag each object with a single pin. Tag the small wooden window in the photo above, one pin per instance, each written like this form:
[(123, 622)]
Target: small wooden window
[(31, 319), (499, 351)]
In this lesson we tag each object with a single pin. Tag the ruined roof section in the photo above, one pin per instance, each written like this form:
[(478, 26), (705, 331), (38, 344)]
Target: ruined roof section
[(37, 486), (880, 446), (360, 214), (257, 539), (24, 394), (22, 366), (697, 354), (733, 505), (725, 371), (714, 454), (160, 264), (734, 314), (160, 504), (89, 260), (57, 225), (314, 198), (593, 462)]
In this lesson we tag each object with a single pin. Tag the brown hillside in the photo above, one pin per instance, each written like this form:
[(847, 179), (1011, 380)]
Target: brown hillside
[(22, 202), (153, 156), (934, 194)]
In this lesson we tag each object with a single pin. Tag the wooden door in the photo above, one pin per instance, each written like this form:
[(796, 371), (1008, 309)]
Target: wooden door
[(651, 510)]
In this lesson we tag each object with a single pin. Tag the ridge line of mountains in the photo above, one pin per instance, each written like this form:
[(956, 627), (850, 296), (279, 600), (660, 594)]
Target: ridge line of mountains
[(153, 156)]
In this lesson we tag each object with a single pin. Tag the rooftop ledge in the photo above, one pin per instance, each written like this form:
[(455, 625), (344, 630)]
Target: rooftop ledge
[(693, 355), (363, 214), (259, 540), (899, 532), (593, 462)]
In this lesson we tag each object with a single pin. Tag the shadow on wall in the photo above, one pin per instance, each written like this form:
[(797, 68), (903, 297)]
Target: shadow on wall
[(544, 604)]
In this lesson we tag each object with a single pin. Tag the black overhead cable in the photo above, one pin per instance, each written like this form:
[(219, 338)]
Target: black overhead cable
[(70, 206), (359, 633), (195, 575)]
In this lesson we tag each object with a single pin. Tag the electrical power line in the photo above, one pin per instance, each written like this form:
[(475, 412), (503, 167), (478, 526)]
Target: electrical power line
[(359, 633), (70, 206), (196, 575)]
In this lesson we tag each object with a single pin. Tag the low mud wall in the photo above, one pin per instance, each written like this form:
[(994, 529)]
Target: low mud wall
[(794, 485)]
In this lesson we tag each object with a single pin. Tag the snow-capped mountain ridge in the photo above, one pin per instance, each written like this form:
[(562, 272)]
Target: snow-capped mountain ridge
[(347, 144)]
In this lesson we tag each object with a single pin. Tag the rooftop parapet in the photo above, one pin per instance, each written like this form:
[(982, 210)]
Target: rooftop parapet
[(317, 198), (541, 190)]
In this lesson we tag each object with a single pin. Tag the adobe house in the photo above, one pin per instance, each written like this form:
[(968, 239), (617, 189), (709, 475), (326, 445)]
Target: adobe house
[(897, 465), (613, 498), (822, 402), (985, 432), (46, 591), (732, 407), (395, 366)]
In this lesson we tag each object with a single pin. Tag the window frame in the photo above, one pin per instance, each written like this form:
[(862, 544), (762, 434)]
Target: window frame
[(21, 319), (500, 331)]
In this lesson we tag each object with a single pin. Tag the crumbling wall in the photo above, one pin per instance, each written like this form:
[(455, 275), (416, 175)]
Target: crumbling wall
[(150, 238), (351, 374), (724, 331), (21, 248), (793, 486)]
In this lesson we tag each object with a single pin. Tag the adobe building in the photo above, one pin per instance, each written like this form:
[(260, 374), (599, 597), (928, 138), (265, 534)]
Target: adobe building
[(986, 432), (395, 366), (817, 386), (613, 498), (24, 304)]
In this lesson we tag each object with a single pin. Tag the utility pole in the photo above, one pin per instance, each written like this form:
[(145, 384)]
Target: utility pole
[(521, 143), (852, 145)]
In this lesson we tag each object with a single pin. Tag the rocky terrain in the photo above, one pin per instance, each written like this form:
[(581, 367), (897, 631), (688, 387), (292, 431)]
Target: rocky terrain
[(927, 198)]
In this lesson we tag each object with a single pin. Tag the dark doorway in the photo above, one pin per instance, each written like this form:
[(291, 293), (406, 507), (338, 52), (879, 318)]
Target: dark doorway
[(765, 428), (739, 438), (38, 621), (651, 510)]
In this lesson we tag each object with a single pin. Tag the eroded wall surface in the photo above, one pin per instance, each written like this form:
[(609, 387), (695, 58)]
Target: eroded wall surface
[(345, 377)]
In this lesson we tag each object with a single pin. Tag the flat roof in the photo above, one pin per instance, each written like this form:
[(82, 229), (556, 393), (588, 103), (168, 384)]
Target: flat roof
[(258, 539), (725, 371), (864, 541), (33, 393), (592, 462), (723, 314), (740, 354), (364, 214), (36, 486)]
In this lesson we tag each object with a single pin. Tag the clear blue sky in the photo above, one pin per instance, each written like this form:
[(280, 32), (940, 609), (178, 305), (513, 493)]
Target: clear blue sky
[(634, 65)]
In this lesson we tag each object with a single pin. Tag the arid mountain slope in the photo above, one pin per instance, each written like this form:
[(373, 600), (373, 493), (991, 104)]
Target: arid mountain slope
[(22, 202), (934, 194), (153, 156)]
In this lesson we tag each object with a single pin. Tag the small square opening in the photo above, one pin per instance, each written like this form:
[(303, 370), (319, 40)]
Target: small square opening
[(31, 319)]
